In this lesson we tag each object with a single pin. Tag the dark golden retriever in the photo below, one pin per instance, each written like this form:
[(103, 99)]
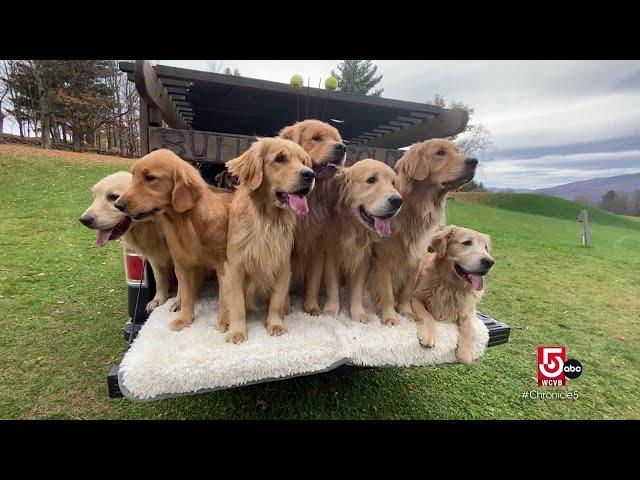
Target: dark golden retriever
[(324, 145), (193, 217)]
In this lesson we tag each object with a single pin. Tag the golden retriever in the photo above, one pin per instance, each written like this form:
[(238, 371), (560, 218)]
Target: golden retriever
[(143, 237), (324, 145), (425, 174), (275, 177), (450, 284), (193, 217), (362, 216)]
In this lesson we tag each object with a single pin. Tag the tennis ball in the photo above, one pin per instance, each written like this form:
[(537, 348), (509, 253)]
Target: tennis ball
[(331, 83), (296, 81)]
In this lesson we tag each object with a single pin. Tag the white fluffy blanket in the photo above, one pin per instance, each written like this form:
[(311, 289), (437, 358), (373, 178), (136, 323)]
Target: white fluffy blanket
[(161, 363)]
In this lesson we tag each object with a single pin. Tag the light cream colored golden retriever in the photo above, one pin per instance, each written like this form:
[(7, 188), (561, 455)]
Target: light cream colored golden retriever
[(324, 145), (362, 216), (450, 284), (193, 217), (275, 178), (143, 237), (426, 173)]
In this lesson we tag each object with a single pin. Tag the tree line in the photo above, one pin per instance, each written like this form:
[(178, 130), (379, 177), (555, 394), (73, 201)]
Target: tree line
[(85, 104), (614, 201)]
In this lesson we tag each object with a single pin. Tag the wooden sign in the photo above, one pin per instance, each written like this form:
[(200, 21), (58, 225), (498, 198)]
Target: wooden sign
[(210, 147)]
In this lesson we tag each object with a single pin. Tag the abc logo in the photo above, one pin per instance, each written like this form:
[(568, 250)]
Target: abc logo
[(572, 368)]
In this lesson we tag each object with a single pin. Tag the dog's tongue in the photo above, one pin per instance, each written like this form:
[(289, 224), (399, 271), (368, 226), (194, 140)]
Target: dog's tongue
[(103, 237), (298, 203), (382, 227), (476, 280)]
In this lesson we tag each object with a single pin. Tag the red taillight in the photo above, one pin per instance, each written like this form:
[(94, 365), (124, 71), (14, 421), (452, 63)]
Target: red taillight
[(134, 269)]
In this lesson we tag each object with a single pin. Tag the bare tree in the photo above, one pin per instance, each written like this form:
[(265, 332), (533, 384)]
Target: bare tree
[(475, 140), (4, 91), (583, 200), (616, 202), (216, 66)]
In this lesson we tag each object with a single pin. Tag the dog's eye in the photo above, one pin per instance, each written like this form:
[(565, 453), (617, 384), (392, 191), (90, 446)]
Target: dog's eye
[(486, 247), (372, 180), (113, 197), (317, 138), (441, 152), (468, 243), (149, 178), (281, 158)]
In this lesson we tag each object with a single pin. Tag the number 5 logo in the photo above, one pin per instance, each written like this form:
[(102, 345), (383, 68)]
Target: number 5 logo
[(550, 365)]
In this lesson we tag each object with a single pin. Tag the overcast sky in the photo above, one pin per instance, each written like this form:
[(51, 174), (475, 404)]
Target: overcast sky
[(552, 121)]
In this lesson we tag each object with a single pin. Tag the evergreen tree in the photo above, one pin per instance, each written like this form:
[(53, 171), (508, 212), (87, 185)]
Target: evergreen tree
[(358, 76)]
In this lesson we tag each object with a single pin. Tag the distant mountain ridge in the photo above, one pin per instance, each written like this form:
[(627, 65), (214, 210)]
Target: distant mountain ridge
[(509, 190), (595, 187)]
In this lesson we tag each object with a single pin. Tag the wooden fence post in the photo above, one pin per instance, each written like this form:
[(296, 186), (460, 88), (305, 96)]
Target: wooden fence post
[(583, 217)]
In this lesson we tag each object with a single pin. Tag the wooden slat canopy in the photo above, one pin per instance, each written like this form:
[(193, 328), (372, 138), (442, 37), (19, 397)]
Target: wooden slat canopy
[(226, 104)]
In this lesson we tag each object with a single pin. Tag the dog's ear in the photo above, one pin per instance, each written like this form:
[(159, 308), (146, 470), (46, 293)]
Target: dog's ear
[(292, 132), (411, 166), (440, 241), (418, 164), (248, 167), (187, 187)]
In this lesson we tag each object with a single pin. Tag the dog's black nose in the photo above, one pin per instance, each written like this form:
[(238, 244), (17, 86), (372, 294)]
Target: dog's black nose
[(395, 201), (120, 206), (487, 262), (471, 162), (340, 148), (307, 176), (86, 220)]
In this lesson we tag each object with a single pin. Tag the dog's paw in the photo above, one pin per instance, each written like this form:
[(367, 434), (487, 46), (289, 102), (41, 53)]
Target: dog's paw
[(179, 324), (331, 310), (175, 306), (236, 336), (390, 320), (464, 355), (152, 305), (361, 317), (427, 338), (312, 309), (276, 329)]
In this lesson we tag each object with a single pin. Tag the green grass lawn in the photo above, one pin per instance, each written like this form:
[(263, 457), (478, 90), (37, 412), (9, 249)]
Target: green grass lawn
[(63, 305)]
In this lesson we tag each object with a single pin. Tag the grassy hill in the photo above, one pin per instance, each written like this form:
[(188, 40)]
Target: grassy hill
[(547, 206), (63, 304)]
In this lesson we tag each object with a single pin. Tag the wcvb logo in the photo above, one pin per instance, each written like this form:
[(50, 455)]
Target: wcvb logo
[(554, 368)]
